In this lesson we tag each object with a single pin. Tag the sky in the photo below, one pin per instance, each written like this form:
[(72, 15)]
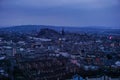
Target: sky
[(60, 12)]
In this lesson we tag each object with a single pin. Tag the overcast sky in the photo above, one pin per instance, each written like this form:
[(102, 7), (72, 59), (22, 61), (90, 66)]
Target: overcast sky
[(60, 12)]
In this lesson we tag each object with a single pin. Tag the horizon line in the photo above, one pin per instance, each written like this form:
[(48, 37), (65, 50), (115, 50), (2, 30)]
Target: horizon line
[(93, 26)]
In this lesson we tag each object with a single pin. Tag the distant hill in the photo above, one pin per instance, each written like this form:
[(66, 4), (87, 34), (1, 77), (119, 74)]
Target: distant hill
[(34, 28), (23, 28), (46, 32)]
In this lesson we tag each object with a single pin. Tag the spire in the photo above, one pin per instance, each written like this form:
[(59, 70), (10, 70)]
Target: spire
[(63, 32)]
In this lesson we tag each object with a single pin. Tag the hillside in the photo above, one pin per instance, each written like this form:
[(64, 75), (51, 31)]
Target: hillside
[(36, 28)]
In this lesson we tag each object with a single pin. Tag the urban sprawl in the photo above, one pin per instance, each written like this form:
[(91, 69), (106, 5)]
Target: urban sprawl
[(59, 55)]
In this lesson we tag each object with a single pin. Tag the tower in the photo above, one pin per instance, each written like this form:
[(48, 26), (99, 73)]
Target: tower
[(63, 32)]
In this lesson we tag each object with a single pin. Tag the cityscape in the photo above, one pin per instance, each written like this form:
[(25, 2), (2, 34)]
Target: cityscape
[(59, 55), (59, 39)]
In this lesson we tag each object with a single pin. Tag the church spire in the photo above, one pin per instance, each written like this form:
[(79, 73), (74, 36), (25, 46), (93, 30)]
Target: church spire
[(63, 32)]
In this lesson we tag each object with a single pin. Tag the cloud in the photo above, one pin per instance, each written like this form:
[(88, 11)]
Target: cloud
[(62, 3), (60, 12)]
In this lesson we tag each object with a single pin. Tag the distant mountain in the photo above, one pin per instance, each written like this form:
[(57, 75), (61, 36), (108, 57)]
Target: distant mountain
[(34, 28)]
